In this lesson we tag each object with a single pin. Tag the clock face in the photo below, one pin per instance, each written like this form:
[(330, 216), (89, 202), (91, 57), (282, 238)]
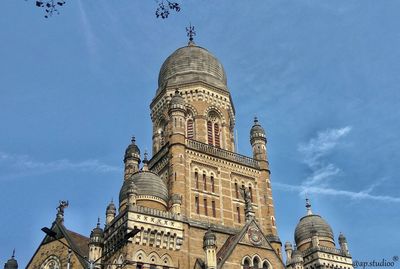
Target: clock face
[(255, 236)]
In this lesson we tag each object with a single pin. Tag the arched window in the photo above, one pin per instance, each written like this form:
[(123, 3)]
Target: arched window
[(196, 204), (238, 214), (205, 207), (237, 190), (209, 133), (139, 265), (212, 184), (189, 131), (265, 265), (216, 135), (256, 263), (196, 179), (246, 264), (251, 193), (213, 209), (204, 182)]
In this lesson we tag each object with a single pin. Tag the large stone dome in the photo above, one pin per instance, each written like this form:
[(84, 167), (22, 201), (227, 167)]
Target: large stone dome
[(310, 224), (147, 183), (190, 64)]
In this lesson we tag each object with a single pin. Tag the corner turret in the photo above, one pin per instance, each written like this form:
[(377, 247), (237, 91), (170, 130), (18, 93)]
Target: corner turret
[(210, 249), (258, 141), (96, 243), (12, 262), (131, 159), (110, 212)]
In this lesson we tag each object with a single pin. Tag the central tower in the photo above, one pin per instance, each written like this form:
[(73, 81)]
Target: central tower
[(196, 202)]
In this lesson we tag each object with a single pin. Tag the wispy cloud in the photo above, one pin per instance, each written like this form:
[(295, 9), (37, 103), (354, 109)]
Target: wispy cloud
[(317, 148), (314, 153), (365, 194), (88, 32), (17, 165)]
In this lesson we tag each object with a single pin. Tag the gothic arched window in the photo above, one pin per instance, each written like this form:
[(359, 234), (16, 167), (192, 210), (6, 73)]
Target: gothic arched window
[(205, 207), (213, 209), (237, 190), (246, 264), (210, 133), (189, 127), (265, 265), (216, 135), (256, 263), (196, 204), (196, 178), (212, 184)]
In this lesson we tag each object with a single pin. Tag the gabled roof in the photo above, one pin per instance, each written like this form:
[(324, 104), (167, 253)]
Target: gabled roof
[(230, 244), (76, 241)]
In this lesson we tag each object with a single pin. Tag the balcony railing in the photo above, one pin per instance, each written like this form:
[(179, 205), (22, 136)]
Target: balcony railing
[(221, 153)]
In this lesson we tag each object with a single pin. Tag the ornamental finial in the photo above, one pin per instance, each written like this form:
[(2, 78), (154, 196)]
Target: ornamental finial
[(308, 206), (190, 32), (60, 209)]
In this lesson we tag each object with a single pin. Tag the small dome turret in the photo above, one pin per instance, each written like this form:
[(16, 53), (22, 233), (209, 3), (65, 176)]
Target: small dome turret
[(257, 132), (311, 225), (342, 239), (288, 245), (12, 262), (209, 239), (111, 209), (97, 234), (132, 151)]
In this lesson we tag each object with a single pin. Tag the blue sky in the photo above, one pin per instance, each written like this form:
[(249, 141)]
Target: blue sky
[(322, 76)]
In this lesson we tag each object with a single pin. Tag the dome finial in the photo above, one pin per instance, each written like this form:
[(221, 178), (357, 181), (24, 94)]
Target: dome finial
[(13, 254), (308, 206), (98, 222), (133, 139), (255, 120), (190, 32)]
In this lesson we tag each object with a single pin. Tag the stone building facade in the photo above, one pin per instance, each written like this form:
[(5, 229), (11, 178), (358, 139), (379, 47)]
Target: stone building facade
[(196, 203)]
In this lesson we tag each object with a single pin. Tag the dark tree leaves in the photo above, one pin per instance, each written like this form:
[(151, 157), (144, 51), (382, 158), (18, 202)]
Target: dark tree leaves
[(50, 6), (164, 8)]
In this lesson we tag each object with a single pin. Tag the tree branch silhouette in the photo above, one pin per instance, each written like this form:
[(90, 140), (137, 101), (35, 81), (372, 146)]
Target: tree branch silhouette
[(51, 7)]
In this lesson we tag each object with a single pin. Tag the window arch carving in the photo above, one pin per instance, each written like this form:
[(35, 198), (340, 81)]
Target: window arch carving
[(52, 262)]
